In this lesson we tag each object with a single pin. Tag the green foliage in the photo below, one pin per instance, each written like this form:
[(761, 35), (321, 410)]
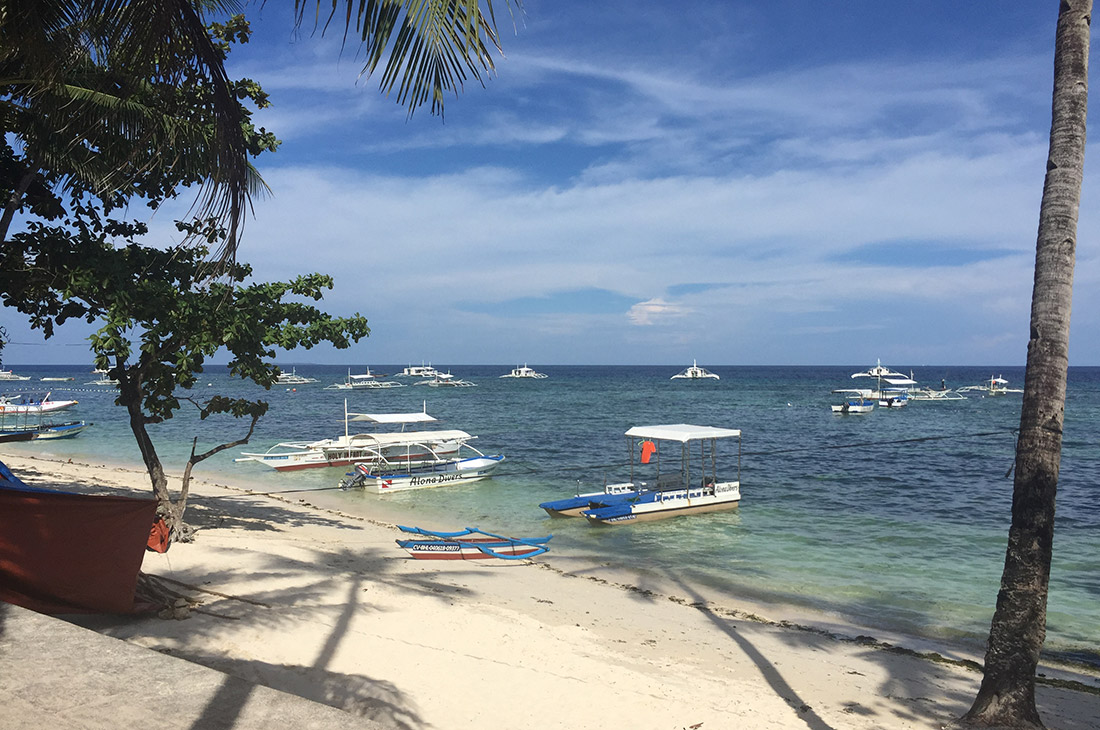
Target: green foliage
[(162, 319), (119, 101), (429, 45)]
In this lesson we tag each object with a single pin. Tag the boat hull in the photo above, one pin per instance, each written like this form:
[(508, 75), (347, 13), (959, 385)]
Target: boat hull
[(451, 473), (467, 549), (648, 506), (37, 407), (575, 506), (854, 408)]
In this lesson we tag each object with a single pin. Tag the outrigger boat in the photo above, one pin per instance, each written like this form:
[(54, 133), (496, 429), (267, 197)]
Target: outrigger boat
[(679, 491), (882, 374), (293, 378), (695, 373), (403, 447), (418, 371), (471, 544), (364, 381), (855, 401), (32, 403), (995, 386), (446, 380), (525, 372)]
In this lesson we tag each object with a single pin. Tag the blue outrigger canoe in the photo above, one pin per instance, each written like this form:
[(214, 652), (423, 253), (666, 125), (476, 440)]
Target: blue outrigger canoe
[(470, 544)]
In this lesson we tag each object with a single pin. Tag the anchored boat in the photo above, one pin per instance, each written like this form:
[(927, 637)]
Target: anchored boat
[(525, 372), (364, 381), (688, 484), (695, 373), (408, 447), (854, 400), (32, 403), (385, 477)]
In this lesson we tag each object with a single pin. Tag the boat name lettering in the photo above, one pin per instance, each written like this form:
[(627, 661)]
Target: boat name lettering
[(434, 479)]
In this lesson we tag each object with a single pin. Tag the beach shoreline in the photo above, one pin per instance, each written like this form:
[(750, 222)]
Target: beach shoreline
[(308, 599)]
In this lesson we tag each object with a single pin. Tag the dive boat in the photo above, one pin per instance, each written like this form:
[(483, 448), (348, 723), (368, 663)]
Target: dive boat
[(854, 400), (32, 403), (893, 397), (9, 375), (402, 447), (470, 544), (364, 381), (689, 485), (385, 477), (419, 371), (883, 374), (996, 385), (695, 373), (524, 372), (446, 380), (293, 378)]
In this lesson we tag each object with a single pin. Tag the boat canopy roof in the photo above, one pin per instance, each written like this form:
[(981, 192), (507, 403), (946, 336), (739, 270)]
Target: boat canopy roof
[(412, 437), (416, 417), (683, 432)]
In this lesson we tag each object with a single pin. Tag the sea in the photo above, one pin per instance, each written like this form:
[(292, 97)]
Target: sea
[(894, 521)]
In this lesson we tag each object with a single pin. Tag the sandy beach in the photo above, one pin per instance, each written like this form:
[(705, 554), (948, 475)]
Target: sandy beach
[(308, 600)]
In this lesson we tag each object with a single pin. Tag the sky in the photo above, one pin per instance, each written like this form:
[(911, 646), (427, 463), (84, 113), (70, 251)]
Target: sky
[(645, 182)]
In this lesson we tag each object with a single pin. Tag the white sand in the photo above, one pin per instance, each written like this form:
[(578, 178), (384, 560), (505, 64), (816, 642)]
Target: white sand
[(325, 605)]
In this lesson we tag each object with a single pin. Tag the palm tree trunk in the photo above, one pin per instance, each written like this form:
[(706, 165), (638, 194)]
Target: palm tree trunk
[(1007, 694)]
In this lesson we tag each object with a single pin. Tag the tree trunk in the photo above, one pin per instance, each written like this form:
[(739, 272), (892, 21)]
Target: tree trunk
[(1007, 694), (131, 399)]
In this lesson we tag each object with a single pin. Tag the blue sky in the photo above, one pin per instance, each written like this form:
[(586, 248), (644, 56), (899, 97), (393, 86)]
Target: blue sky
[(648, 182)]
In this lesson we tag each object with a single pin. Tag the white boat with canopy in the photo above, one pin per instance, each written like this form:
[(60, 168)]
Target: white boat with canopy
[(396, 447), (418, 371), (996, 385), (525, 372), (446, 380), (695, 373), (364, 381), (689, 484), (293, 378), (854, 400), (898, 381)]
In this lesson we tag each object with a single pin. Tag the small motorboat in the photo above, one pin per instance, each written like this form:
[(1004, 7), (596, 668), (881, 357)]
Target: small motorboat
[(855, 400), (685, 483)]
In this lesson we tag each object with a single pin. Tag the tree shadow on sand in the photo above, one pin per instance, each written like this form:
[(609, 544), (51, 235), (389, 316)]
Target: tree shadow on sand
[(911, 684), (308, 599)]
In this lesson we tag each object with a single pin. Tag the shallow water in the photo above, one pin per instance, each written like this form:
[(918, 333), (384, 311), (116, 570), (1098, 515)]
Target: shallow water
[(894, 520)]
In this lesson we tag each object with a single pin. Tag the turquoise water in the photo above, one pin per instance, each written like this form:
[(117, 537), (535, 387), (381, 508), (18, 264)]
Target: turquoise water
[(851, 515)]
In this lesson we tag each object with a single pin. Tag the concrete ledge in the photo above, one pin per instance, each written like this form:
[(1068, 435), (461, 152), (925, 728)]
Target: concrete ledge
[(55, 674)]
